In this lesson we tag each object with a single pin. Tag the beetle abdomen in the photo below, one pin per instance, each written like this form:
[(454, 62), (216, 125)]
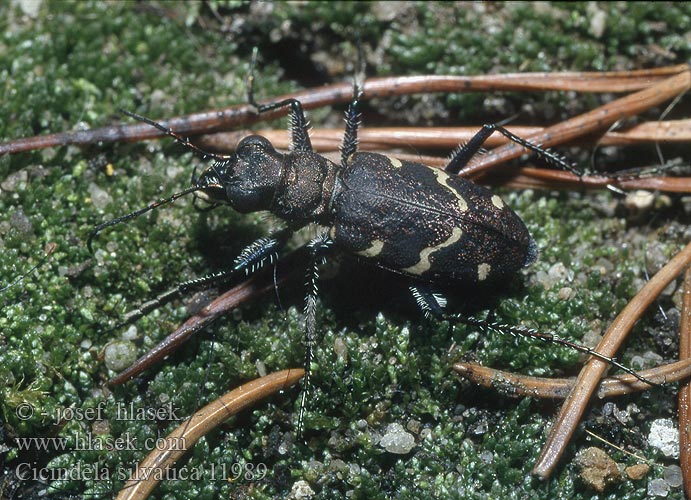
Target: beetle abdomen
[(423, 222)]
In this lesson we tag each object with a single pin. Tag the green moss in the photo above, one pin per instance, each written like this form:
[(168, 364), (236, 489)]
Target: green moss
[(75, 64)]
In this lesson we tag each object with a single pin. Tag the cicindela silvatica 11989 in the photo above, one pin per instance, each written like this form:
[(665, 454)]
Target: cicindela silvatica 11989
[(427, 224)]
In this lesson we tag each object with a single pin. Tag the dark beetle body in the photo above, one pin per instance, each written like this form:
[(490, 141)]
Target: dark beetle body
[(402, 216), (425, 223)]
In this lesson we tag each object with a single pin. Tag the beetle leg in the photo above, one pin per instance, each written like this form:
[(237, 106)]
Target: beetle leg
[(253, 256), (250, 260), (431, 304), (547, 337), (350, 140), (299, 126), (462, 155), (317, 248)]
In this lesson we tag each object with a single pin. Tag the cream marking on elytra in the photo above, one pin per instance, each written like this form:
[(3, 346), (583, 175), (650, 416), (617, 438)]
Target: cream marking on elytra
[(374, 250), (424, 264), (443, 179), (483, 271), (395, 162), (497, 201)]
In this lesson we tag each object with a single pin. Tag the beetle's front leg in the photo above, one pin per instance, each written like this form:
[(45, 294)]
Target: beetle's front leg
[(299, 126), (252, 258)]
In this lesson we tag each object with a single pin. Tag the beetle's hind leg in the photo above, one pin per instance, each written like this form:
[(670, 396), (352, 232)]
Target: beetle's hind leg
[(433, 304), (430, 303)]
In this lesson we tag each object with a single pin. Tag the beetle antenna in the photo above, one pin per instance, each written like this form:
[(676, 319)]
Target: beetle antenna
[(137, 213), (182, 140), (48, 251)]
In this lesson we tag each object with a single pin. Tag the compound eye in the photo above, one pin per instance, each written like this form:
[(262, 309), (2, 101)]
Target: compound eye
[(253, 144)]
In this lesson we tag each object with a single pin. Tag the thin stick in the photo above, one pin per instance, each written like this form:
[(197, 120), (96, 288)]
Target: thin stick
[(685, 388), (590, 376), (378, 138), (233, 116), (596, 120), (540, 178), (517, 385)]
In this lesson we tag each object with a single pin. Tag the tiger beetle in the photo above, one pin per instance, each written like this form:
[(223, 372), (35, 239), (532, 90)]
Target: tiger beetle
[(424, 223)]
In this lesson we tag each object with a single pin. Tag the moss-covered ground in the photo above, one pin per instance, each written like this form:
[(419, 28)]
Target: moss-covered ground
[(72, 65)]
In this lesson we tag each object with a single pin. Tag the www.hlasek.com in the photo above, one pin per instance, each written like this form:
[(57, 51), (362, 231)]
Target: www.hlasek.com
[(81, 438), (86, 441)]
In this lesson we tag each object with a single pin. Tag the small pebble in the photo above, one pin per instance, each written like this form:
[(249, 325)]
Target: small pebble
[(341, 350), (15, 181), (665, 437), (658, 488), (639, 201), (672, 475), (397, 440), (20, 222), (120, 354), (300, 490), (597, 469), (598, 20), (99, 197), (638, 471)]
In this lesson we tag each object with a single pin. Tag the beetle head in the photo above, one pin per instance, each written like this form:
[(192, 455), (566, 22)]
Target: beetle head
[(247, 180)]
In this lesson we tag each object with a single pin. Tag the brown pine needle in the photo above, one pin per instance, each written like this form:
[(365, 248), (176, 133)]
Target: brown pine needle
[(200, 424)]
